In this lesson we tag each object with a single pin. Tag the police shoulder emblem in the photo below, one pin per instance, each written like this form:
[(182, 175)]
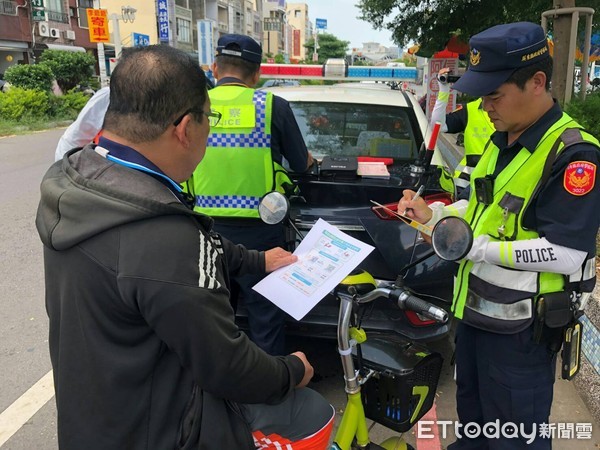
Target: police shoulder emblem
[(475, 57), (580, 177)]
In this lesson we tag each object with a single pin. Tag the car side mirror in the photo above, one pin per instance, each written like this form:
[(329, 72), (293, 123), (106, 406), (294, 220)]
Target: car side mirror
[(452, 238), (273, 208)]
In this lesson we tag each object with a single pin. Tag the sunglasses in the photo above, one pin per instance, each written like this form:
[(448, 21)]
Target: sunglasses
[(213, 116)]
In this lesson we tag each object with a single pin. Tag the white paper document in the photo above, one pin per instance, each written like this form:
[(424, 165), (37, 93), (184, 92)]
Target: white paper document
[(325, 256)]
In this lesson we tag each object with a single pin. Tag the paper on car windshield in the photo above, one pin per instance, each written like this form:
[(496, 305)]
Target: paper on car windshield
[(325, 256)]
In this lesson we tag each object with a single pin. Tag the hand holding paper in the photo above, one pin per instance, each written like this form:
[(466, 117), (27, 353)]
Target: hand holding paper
[(278, 257), (325, 256)]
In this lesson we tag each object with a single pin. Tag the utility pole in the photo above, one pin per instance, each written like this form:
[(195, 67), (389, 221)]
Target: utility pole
[(562, 45), (315, 56), (101, 57), (565, 19)]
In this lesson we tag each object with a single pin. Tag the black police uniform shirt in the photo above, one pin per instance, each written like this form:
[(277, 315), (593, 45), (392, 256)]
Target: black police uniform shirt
[(559, 216), (456, 121), (286, 138)]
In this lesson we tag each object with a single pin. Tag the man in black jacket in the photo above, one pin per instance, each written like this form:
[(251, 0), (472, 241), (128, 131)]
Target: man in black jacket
[(143, 343)]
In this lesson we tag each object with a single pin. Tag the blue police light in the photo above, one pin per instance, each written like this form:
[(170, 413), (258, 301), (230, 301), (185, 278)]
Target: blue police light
[(404, 73), (337, 69)]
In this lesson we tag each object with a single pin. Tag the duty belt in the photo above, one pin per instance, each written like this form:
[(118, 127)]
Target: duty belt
[(520, 310)]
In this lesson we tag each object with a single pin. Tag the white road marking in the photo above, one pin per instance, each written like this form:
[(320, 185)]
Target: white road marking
[(23, 408)]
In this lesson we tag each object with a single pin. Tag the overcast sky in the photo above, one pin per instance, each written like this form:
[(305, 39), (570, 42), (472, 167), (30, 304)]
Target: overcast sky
[(342, 22)]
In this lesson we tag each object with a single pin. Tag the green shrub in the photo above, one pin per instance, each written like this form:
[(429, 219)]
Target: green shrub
[(66, 106), (18, 104), (26, 76), (69, 68), (586, 112)]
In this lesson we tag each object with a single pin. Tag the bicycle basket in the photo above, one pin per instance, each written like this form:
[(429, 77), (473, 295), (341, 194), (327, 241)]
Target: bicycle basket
[(403, 389)]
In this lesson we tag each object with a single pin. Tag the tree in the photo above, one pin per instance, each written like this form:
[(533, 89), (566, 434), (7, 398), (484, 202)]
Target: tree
[(329, 47), (69, 68), (431, 24), (35, 76)]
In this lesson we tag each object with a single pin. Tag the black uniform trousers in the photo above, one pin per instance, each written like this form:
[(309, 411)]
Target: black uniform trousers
[(506, 378), (266, 321)]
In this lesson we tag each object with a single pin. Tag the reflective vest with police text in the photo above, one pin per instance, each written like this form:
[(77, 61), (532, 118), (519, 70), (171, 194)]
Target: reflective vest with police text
[(238, 168), (497, 298)]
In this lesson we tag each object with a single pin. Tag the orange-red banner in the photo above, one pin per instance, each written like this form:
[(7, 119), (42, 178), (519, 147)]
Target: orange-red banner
[(98, 25)]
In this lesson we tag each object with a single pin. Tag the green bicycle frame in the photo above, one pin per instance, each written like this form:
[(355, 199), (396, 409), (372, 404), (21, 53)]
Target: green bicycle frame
[(353, 424)]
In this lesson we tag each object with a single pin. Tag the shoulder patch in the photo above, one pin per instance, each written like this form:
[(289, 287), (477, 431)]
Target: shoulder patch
[(580, 177)]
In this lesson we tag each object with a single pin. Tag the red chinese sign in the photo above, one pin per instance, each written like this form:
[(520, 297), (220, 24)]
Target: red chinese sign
[(98, 25), (435, 65), (296, 43)]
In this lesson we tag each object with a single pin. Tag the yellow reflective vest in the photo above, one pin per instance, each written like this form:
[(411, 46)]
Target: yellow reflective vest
[(477, 133), (238, 168), (493, 297)]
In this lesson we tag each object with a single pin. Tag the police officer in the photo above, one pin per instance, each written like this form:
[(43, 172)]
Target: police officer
[(244, 160), (469, 119), (539, 165)]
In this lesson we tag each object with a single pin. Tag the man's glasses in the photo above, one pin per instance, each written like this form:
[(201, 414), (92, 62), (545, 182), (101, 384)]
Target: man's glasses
[(213, 116)]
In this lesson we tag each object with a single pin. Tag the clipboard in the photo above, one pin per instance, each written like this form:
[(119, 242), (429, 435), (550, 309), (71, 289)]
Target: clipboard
[(395, 214)]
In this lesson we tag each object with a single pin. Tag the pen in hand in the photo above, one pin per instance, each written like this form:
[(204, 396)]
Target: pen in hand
[(416, 196)]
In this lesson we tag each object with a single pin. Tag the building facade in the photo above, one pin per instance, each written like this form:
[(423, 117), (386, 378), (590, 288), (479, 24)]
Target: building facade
[(274, 23), (300, 28), (28, 27), (374, 52)]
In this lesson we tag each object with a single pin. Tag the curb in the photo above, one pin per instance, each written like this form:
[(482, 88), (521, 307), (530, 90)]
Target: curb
[(587, 381)]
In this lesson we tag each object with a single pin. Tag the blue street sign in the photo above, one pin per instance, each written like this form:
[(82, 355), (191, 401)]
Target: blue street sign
[(206, 48), (321, 24), (163, 21), (140, 40)]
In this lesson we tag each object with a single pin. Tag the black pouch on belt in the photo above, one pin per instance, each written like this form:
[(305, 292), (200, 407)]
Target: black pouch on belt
[(557, 311), (553, 314)]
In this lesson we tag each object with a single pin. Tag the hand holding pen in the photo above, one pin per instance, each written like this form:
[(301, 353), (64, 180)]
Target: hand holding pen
[(414, 198), (414, 206)]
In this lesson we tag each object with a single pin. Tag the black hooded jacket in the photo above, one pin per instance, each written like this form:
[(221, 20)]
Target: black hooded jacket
[(143, 343)]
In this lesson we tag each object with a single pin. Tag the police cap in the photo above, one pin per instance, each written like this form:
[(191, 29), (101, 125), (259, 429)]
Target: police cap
[(240, 46), (496, 53)]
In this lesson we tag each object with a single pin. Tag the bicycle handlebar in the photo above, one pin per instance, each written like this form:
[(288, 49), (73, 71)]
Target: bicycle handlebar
[(406, 300)]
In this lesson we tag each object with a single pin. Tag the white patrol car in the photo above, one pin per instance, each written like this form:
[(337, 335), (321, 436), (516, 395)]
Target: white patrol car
[(351, 122)]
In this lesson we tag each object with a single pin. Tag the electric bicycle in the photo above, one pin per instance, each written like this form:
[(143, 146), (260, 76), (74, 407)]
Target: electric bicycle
[(389, 380)]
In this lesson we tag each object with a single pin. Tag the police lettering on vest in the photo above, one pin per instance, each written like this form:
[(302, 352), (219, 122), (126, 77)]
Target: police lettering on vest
[(535, 255)]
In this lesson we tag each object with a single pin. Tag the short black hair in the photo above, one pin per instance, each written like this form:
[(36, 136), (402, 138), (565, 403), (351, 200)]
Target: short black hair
[(521, 76), (149, 88), (245, 68)]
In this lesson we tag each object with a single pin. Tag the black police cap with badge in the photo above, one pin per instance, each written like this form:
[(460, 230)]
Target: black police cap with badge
[(239, 46), (498, 52)]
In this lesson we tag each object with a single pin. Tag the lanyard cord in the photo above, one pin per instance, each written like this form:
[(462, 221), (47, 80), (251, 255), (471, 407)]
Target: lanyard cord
[(106, 154)]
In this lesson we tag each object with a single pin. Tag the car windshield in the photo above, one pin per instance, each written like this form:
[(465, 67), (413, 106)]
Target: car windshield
[(349, 129)]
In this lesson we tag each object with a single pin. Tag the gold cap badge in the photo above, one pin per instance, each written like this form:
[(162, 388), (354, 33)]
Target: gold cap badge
[(475, 57)]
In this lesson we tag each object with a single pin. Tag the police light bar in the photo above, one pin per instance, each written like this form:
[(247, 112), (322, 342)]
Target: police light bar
[(337, 69)]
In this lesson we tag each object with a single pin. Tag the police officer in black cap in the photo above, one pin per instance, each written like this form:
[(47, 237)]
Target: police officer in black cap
[(244, 160), (533, 206)]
